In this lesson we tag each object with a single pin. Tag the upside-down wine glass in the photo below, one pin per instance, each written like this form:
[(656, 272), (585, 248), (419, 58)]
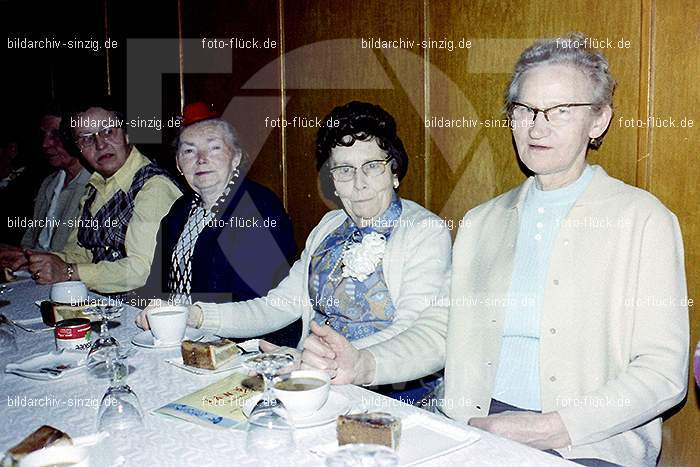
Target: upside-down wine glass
[(269, 424), (99, 357)]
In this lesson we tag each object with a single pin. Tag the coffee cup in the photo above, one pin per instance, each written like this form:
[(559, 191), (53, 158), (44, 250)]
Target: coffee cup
[(69, 293), (302, 392), (168, 324)]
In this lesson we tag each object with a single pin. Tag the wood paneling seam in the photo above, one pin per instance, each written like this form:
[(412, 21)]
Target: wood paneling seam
[(283, 112), (426, 106), (181, 56)]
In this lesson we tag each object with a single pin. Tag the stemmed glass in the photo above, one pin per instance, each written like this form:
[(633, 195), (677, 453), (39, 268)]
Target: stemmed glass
[(269, 424), (99, 357), (120, 410)]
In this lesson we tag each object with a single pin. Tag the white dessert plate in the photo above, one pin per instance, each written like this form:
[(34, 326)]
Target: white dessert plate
[(423, 438), (337, 404), (48, 366), (249, 346), (145, 339)]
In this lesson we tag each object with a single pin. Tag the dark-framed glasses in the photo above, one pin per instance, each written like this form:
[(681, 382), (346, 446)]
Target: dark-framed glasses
[(89, 140), (556, 115), (345, 173)]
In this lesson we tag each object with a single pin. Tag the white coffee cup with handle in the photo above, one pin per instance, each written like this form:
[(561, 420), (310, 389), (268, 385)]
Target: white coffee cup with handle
[(168, 324)]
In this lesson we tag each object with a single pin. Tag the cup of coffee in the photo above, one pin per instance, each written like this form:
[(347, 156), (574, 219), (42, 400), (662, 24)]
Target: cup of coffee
[(303, 392), (168, 324), (69, 293)]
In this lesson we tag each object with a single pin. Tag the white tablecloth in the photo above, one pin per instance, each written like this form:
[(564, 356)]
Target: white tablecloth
[(70, 404)]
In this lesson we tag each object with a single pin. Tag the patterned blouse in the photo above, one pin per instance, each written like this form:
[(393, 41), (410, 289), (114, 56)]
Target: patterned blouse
[(353, 308)]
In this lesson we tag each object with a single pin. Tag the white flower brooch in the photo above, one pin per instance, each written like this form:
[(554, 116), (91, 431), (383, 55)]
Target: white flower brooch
[(361, 259)]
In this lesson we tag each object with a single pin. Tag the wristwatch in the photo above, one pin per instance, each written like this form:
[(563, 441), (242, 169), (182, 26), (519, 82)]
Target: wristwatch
[(70, 271)]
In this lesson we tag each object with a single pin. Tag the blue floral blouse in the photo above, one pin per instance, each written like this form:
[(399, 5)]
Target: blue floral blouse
[(353, 308)]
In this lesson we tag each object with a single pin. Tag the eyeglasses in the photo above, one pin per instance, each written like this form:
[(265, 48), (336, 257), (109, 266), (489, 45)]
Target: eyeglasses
[(89, 140), (345, 173), (557, 115)]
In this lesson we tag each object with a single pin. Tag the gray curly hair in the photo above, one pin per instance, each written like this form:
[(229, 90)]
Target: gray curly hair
[(230, 136), (573, 49)]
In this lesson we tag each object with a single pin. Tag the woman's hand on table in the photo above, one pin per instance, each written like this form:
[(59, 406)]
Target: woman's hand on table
[(537, 430), (327, 350)]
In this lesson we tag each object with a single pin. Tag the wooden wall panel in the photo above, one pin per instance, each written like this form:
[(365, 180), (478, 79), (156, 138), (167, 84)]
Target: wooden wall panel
[(245, 109), (471, 165), (321, 75), (674, 175)]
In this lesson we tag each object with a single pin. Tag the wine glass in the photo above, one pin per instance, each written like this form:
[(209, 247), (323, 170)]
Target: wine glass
[(269, 424), (363, 455), (99, 361), (120, 411)]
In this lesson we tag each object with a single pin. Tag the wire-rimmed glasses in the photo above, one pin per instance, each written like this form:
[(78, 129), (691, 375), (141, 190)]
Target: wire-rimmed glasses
[(345, 173), (89, 140), (557, 115)]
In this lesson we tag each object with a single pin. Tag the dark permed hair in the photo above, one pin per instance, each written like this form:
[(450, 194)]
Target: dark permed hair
[(364, 122)]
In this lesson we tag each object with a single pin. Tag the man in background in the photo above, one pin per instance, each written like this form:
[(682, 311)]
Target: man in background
[(58, 200), (112, 248)]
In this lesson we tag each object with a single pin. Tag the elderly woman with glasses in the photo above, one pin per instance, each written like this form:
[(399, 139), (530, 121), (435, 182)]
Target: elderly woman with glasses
[(369, 270), (579, 340)]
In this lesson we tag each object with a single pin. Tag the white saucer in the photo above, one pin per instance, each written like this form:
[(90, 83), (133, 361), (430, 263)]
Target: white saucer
[(337, 404), (145, 339)]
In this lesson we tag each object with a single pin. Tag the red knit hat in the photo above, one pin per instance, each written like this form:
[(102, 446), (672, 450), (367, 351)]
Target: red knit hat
[(196, 112)]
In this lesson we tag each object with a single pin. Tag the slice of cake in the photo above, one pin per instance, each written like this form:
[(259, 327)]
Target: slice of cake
[(369, 428), (51, 312), (43, 437), (208, 355)]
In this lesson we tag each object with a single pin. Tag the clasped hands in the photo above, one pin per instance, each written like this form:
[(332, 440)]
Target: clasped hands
[(537, 430), (325, 349)]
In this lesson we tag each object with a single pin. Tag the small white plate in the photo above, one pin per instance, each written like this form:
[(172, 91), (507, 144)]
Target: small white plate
[(145, 339), (337, 404), (68, 362), (423, 437)]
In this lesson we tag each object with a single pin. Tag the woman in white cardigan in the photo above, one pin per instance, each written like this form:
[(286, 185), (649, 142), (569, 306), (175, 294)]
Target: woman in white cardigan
[(369, 270), (576, 322)]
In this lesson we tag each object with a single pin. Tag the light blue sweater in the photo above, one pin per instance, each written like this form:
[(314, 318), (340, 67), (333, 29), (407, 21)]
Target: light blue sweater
[(518, 375)]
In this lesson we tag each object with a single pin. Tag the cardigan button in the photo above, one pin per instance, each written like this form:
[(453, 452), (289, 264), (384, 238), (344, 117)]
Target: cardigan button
[(488, 363), (556, 281), (552, 378), (552, 331)]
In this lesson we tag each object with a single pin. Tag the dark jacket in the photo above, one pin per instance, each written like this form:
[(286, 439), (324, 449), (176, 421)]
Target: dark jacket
[(247, 253)]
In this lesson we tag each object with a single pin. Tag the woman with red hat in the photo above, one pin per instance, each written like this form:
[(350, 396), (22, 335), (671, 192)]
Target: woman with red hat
[(227, 240)]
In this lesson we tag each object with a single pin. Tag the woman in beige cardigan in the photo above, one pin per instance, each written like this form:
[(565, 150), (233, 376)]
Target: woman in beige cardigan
[(576, 323)]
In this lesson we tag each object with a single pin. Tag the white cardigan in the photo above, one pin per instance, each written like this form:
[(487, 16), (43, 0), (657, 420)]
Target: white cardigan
[(416, 268), (614, 326)]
